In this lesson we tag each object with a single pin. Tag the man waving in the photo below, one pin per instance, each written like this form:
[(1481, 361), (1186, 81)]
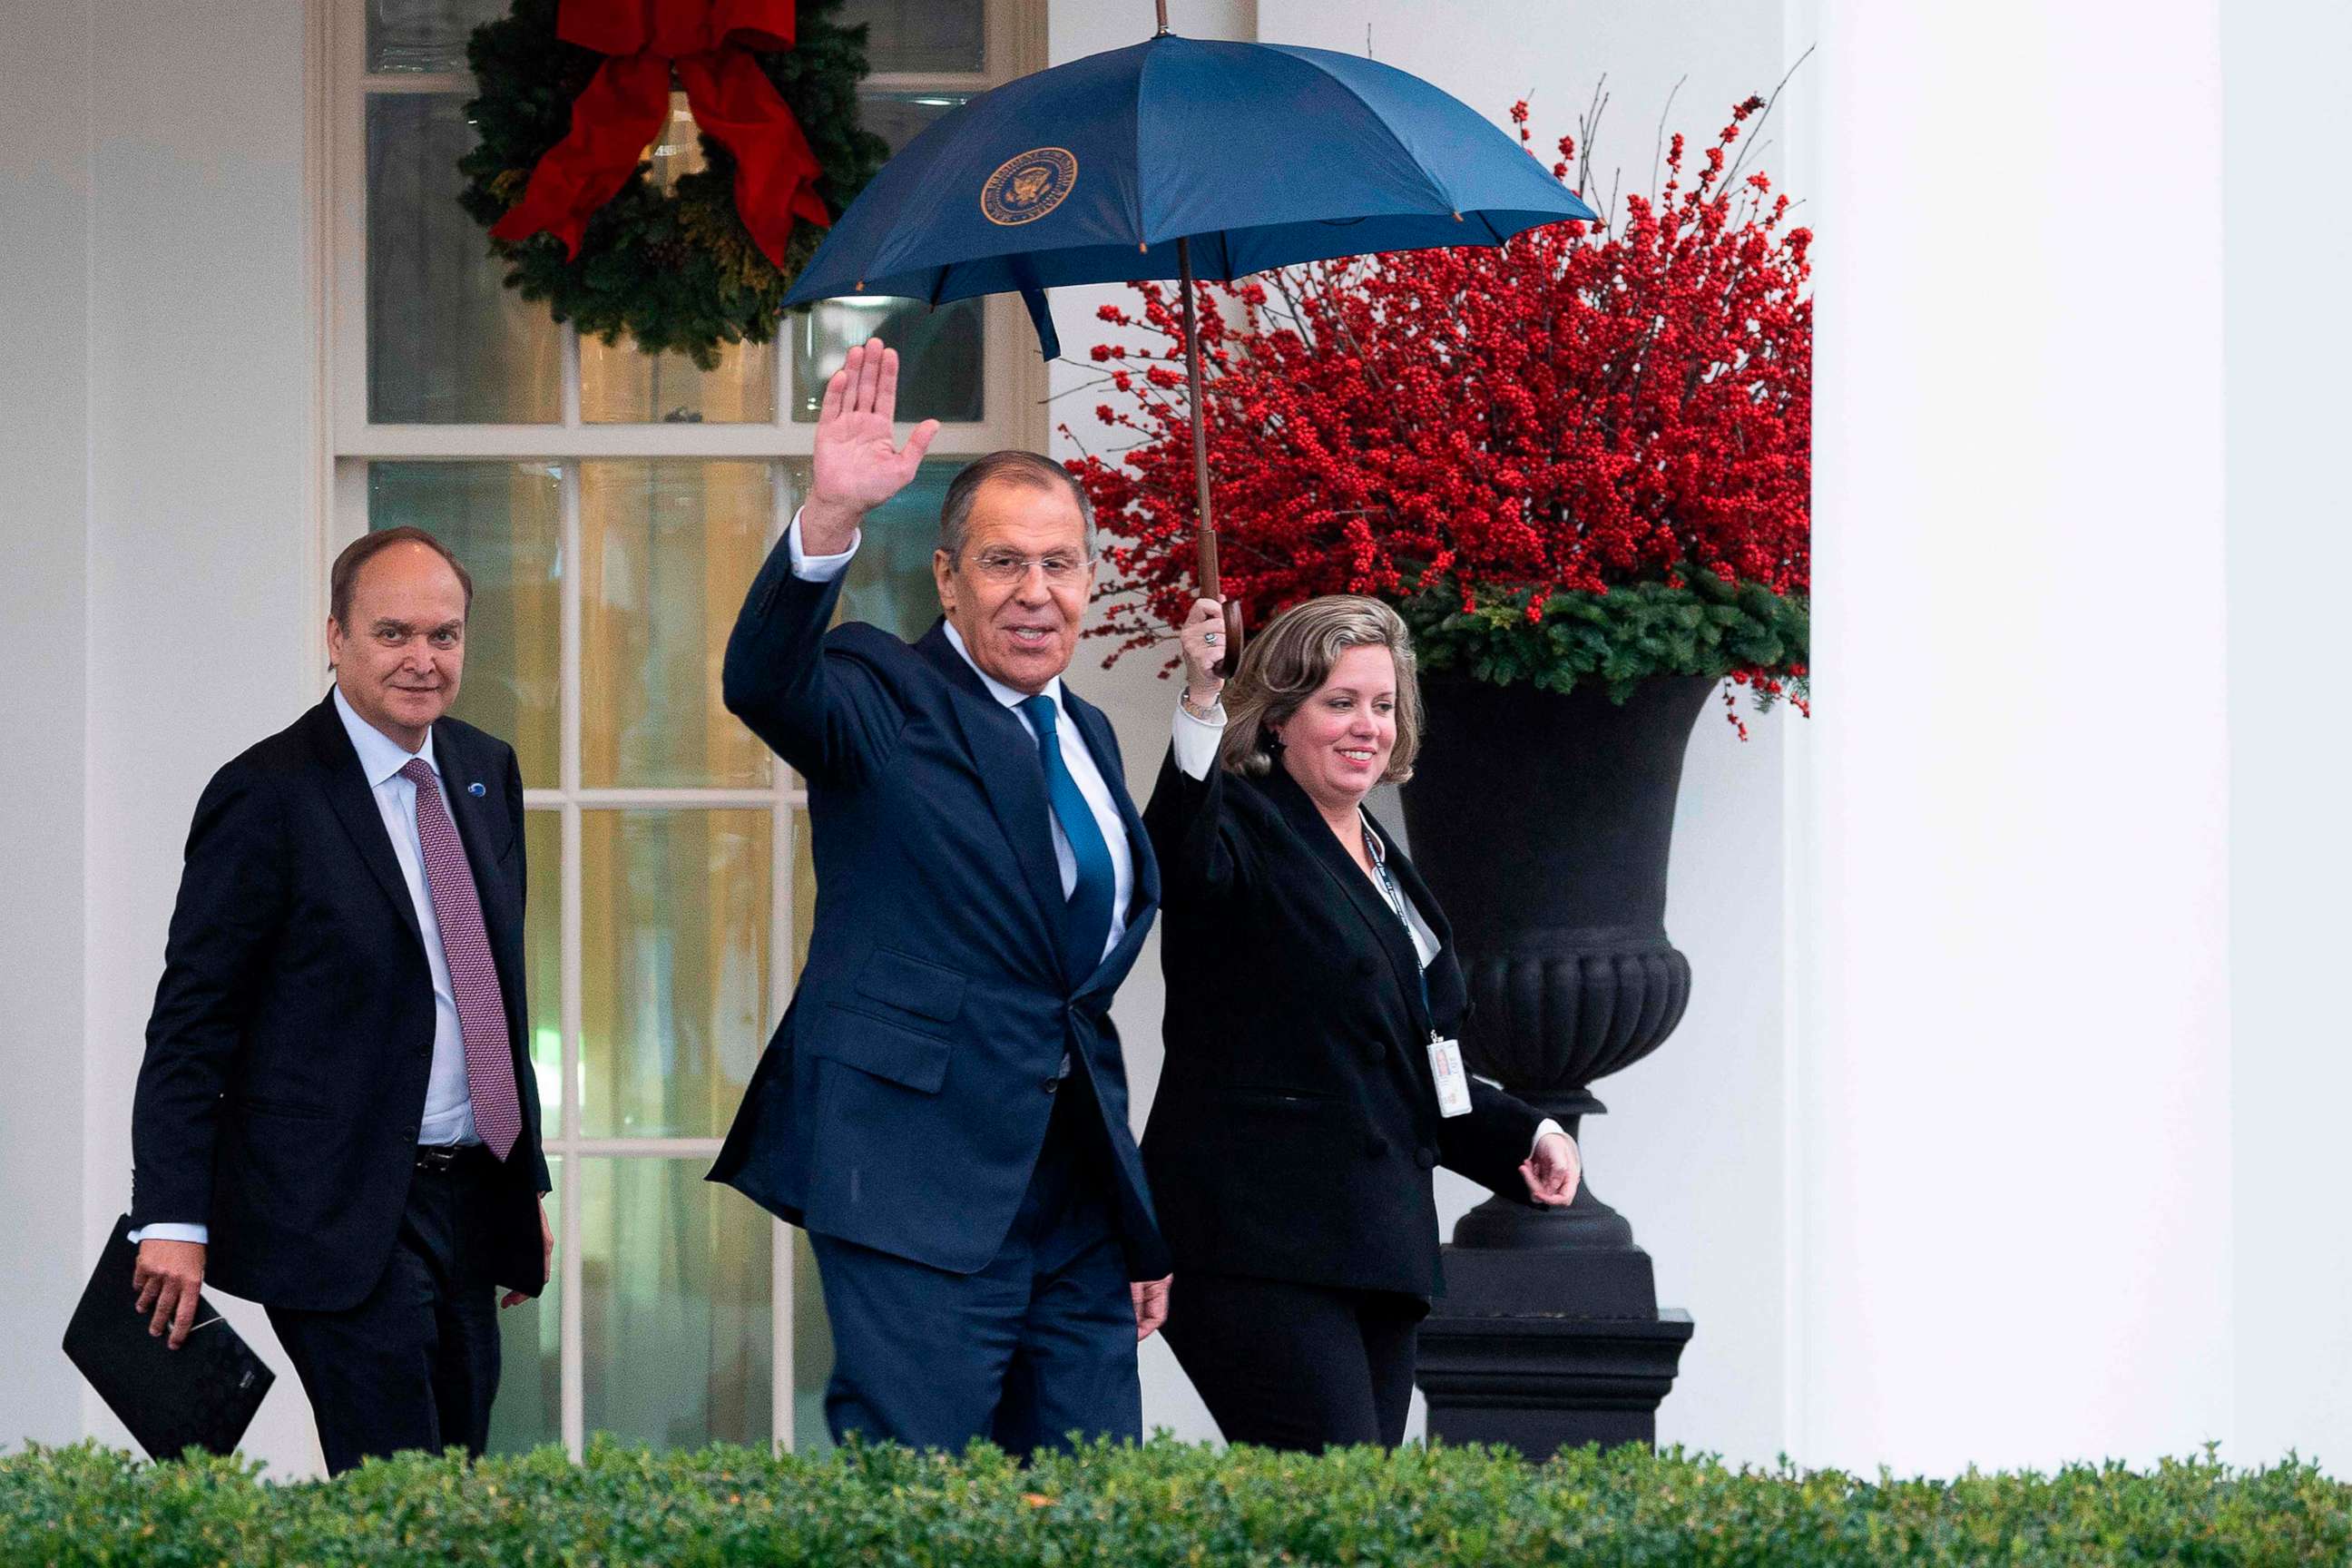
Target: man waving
[(944, 1106)]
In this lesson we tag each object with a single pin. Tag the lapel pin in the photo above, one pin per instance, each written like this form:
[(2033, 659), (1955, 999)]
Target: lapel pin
[(476, 790)]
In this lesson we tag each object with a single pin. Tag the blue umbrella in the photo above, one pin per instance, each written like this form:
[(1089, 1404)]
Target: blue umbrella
[(1174, 159)]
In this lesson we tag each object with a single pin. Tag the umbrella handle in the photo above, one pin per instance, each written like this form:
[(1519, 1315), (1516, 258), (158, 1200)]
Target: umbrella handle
[(1233, 660)]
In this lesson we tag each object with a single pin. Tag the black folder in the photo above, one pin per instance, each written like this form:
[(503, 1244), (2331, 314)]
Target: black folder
[(202, 1394)]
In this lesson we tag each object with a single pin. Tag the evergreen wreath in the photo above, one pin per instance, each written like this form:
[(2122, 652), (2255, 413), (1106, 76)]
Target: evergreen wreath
[(675, 269)]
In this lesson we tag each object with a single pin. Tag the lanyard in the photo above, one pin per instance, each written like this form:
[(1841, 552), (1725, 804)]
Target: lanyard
[(1395, 897)]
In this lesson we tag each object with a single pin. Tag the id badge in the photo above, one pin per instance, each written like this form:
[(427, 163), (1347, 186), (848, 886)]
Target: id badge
[(1452, 1083)]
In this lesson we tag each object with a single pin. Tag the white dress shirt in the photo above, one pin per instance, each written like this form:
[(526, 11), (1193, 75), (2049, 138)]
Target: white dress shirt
[(1196, 740), (1075, 754), (449, 1107)]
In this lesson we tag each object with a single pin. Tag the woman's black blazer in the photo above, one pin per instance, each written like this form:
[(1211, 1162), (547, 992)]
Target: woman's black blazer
[(1295, 1123)]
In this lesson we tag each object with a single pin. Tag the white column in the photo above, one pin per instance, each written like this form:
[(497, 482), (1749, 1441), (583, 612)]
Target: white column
[(2012, 1121), (45, 147), (2287, 236), (203, 543)]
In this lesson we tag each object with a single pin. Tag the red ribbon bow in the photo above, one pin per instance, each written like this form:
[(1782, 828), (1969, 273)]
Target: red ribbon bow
[(707, 42)]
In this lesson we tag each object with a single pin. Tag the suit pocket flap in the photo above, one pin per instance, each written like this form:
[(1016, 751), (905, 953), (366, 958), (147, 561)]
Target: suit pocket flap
[(876, 1045), (903, 982)]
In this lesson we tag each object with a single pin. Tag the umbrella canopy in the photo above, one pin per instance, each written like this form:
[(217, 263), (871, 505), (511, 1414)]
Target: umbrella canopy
[(1175, 159), (1260, 155)]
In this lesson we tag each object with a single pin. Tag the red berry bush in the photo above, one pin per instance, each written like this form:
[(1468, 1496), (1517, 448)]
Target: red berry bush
[(1582, 455)]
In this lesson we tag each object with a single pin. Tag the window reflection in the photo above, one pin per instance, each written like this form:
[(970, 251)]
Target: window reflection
[(529, 1407), (676, 1331), (674, 968), (447, 341), (667, 550)]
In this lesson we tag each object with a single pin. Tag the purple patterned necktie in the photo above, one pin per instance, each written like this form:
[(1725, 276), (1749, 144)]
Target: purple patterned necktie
[(481, 1006)]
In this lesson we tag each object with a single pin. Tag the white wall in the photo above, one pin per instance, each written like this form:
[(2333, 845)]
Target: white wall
[(2288, 337), (203, 549), (2013, 1150), (45, 202)]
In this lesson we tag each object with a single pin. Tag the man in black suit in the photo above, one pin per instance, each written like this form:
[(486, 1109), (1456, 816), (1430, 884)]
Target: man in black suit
[(336, 1116)]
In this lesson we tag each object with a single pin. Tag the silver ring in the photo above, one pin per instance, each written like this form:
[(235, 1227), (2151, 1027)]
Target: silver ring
[(1212, 638)]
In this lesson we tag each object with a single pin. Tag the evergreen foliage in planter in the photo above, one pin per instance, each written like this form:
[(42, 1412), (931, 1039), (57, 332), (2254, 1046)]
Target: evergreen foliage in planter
[(1162, 1503)]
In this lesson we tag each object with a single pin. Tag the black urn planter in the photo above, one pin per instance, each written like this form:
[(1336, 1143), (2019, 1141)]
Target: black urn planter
[(1542, 824)]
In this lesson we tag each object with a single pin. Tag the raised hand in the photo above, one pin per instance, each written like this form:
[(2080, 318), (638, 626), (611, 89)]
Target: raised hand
[(1203, 635), (858, 466)]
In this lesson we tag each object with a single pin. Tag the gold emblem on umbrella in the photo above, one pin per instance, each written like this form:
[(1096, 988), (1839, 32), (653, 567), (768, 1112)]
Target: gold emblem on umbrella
[(1025, 188)]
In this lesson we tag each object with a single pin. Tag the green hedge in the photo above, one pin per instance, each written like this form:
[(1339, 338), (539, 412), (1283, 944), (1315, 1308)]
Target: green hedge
[(1162, 1503)]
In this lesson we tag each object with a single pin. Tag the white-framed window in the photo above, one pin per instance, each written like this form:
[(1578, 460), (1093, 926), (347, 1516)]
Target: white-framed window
[(612, 507)]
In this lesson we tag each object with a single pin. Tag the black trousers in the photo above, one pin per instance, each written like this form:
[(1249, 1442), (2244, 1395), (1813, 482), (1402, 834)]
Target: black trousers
[(414, 1364), (1039, 1344), (1302, 1367)]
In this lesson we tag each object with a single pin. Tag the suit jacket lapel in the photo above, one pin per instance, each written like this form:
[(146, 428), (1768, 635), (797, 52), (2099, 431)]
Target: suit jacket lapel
[(1014, 779), (1358, 889), (478, 823), (347, 791)]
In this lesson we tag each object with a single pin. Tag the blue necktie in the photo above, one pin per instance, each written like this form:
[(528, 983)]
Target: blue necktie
[(1088, 924)]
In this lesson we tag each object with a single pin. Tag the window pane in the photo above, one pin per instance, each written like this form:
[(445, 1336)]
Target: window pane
[(812, 1351), (673, 966), (920, 35), (941, 354), (542, 945), (677, 1323), (424, 35), (667, 550), (900, 117), (503, 521), (528, 1410), (890, 583), (620, 383), (448, 343), (804, 891)]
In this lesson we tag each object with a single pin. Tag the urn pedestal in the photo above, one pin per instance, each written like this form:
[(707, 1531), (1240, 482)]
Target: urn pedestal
[(1543, 825)]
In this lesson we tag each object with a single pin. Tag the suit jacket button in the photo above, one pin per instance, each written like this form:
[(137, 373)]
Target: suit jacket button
[(1376, 1146), (1425, 1158), (1052, 1085), (1376, 1050), (1364, 967)]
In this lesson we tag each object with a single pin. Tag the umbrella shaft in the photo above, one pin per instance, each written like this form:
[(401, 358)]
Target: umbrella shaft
[(1200, 440)]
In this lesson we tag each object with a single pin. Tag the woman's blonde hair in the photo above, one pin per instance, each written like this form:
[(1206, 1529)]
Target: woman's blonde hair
[(1289, 660)]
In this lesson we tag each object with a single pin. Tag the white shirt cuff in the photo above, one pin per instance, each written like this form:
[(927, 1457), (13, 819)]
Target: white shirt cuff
[(817, 568), (1549, 1126), (173, 1231), (1197, 741)]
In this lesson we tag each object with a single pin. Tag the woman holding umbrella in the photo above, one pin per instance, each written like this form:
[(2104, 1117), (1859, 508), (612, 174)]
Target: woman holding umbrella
[(1313, 1081)]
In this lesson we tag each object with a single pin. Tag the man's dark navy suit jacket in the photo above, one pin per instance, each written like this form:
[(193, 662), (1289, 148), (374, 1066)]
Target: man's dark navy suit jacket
[(904, 1099)]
